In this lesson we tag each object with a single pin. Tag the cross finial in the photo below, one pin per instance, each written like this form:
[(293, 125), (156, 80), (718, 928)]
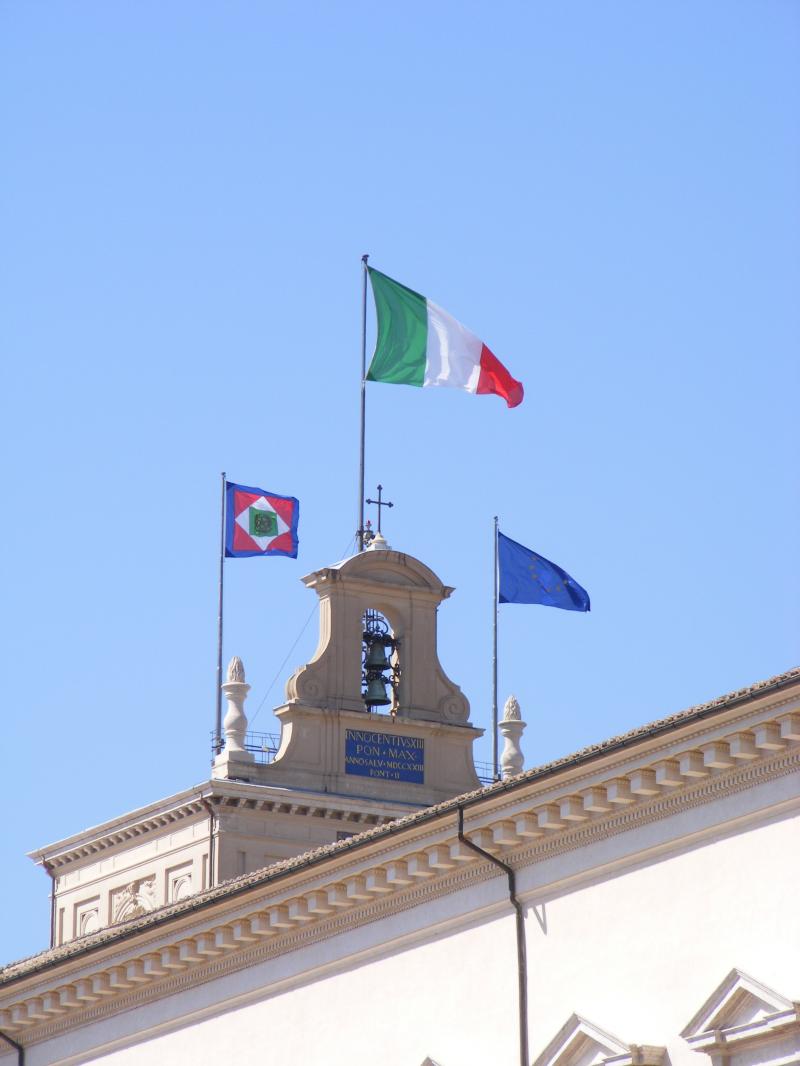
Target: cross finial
[(380, 502)]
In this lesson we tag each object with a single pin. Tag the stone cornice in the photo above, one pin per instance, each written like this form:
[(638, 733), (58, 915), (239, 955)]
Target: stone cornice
[(171, 809), (298, 902), (657, 809), (261, 949), (654, 754), (582, 765), (223, 796), (722, 1042), (360, 571)]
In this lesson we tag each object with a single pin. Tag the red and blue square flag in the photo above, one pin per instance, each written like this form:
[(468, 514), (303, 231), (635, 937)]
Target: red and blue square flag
[(258, 522)]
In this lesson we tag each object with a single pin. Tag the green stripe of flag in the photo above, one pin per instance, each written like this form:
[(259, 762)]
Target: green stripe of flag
[(400, 350)]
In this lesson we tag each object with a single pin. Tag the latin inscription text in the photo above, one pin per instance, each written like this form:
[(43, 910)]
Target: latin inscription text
[(384, 756)]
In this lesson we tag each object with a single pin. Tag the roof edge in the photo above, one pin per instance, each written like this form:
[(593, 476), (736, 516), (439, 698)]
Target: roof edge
[(230, 889)]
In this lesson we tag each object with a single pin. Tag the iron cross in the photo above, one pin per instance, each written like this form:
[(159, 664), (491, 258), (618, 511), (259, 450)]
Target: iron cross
[(380, 502)]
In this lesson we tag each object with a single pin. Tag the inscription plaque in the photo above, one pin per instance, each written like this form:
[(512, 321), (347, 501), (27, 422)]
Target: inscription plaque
[(384, 756)]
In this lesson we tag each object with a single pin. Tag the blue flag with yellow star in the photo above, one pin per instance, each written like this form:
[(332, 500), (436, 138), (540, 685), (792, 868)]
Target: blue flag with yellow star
[(526, 577)]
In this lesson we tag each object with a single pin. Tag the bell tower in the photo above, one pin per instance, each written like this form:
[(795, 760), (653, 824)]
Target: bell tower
[(372, 729), (373, 713)]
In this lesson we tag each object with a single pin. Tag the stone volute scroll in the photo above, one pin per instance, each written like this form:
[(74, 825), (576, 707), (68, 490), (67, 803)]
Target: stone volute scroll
[(511, 727)]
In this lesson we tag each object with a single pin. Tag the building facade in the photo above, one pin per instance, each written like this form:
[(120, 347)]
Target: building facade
[(633, 903)]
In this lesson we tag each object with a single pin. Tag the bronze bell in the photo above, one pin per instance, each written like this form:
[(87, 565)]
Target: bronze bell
[(375, 696), (377, 658)]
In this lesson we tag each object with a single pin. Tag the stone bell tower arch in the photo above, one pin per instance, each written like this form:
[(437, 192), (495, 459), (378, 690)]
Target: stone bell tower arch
[(407, 593), (421, 752)]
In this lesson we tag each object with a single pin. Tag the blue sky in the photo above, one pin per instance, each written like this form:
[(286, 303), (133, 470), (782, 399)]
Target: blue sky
[(606, 193)]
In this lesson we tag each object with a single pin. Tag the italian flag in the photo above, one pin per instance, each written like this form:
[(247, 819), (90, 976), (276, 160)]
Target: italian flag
[(420, 344)]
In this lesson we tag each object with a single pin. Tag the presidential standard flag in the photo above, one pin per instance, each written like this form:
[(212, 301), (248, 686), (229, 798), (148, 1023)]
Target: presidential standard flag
[(420, 344), (526, 577), (258, 522)]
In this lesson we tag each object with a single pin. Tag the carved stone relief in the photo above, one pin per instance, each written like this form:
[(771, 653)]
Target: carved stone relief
[(87, 917), (135, 898), (89, 922), (179, 883)]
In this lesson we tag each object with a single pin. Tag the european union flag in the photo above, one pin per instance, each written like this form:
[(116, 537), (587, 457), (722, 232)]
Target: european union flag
[(526, 577)]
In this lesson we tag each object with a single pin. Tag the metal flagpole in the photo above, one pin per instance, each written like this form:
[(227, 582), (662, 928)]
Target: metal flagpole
[(495, 766), (360, 533), (218, 721)]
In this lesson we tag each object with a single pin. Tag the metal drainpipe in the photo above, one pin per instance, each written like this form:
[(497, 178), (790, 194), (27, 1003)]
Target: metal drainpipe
[(19, 1048), (211, 841), (48, 869), (522, 967)]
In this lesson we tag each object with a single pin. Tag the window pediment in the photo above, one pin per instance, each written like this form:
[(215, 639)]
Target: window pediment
[(582, 1043), (742, 1010), (738, 1000)]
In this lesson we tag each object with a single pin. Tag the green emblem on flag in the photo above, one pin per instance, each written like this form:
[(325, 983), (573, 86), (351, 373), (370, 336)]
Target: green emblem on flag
[(263, 523)]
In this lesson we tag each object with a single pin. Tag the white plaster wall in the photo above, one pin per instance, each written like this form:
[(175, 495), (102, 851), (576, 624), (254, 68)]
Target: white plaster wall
[(450, 999), (639, 953)]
